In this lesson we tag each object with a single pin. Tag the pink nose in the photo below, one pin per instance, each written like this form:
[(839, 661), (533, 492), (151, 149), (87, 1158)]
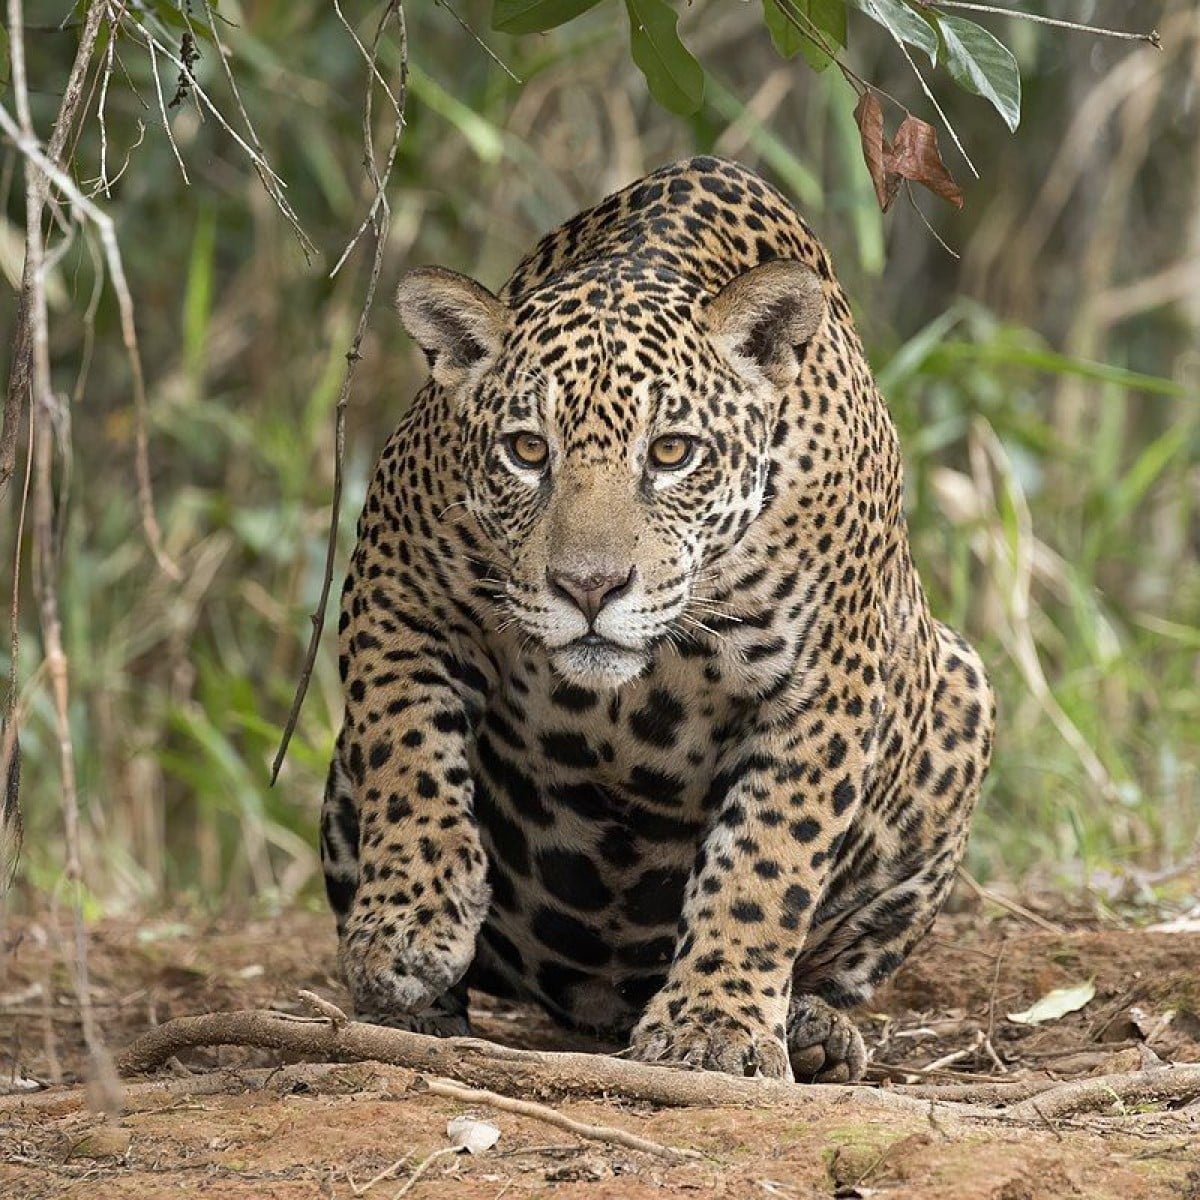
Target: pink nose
[(590, 593)]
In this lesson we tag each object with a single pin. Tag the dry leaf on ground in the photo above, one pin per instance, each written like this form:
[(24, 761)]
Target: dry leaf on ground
[(1056, 1004)]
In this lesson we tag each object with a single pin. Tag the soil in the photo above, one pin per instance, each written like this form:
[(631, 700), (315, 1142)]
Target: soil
[(260, 1129)]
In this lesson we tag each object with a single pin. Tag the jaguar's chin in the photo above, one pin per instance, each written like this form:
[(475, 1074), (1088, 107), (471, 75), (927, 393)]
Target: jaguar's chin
[(595, 662)]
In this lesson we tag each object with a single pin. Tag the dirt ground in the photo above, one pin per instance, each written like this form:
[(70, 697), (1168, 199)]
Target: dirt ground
[(277, 1131)]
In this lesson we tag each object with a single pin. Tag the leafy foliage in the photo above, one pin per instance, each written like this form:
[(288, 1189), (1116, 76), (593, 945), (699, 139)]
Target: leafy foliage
[(903, 21), (675, 78), (979, 63), (816, 29), (536, 16)]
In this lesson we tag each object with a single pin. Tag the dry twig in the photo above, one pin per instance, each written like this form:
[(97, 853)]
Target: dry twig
[(1097, 30), (551, 1116), (1017, 910), (21, 361), (44, 414), (323, 1008), (272, 182), (84, 208), (423, 1165), (271, 187), (379, 218)]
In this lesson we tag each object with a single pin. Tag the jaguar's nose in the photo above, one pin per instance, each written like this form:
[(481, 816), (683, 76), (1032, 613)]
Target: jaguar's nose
[(590, 593)]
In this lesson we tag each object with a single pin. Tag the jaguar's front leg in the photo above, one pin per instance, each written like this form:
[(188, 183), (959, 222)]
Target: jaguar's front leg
[(749, 903), (421, 895)]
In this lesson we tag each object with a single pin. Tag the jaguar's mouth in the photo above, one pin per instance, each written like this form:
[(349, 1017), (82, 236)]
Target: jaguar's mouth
[(595, 661), (592, 638)]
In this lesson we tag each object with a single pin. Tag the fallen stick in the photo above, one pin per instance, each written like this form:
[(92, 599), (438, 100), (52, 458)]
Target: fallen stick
[(1179, 1084), (136, 1094), (1001, 1092), (541, 1112), (479, 1063)]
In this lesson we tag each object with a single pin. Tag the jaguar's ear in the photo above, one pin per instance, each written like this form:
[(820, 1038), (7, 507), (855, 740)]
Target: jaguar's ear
[(456, 321), (766, 313)]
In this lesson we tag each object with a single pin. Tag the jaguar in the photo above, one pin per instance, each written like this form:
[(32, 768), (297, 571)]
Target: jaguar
[(647, 720)]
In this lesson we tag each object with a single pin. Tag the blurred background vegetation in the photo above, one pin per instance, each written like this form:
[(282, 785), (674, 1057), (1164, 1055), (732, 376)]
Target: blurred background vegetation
[(1045, 384)]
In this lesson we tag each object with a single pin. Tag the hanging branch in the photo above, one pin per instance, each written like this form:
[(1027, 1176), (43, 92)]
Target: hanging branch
[(379, 218), (44, 412), (20, 382), (1096, 30), (64, 123)]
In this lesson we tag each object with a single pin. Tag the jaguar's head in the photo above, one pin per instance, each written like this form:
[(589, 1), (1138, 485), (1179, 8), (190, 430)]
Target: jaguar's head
[(616, 436)]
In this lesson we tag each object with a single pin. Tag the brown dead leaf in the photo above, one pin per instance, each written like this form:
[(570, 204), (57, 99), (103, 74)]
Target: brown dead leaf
[(915, 156), (868, 116)]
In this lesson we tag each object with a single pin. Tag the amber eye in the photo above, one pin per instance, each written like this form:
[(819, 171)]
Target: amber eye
[(528, 449), (672, 451)]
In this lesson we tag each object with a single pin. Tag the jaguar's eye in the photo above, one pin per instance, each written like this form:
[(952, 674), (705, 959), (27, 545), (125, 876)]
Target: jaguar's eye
[(672, 451), (528, 449)]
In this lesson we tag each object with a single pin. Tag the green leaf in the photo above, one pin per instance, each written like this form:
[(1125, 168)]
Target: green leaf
[(197, 302), (675, 78), (536, 16), (981, 64), (1150, 464), (1063, 365), (903, 23), (787, 19), (484, 138)]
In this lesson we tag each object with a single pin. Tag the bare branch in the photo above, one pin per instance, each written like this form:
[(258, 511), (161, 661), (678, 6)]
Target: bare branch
[(162, 108), (479, 41), (480, 1063), (274, 185), (379, 217), (101, 119), (1179, 1085), (925, 221), (397, 103), (28, 378), (11, 825), (28, 146), (19, 367), (281, 201), (509, 1071), (42, 412), (1152, 37)]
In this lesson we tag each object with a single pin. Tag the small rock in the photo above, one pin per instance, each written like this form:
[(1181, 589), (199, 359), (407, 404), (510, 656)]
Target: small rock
[(19, 1083), (850, 1164), (1129, 1059), (105, 1141)]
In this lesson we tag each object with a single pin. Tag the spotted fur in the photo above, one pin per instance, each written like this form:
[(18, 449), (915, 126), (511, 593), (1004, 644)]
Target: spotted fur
[(677, 753)]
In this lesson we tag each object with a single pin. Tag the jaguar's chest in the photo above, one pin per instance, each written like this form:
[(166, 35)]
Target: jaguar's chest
[(591, 807), (651, 747)]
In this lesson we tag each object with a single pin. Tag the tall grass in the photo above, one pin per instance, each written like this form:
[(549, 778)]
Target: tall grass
[(1074, 539)]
